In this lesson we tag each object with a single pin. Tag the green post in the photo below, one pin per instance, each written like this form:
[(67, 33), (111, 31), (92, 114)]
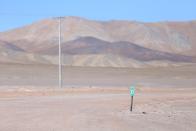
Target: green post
[(132, 93)]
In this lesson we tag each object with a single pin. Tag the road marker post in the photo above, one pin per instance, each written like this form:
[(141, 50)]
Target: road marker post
[(132, 93)]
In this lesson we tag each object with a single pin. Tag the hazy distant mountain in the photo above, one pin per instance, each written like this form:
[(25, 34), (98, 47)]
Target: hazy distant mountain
[(90, 45), (113, 43)]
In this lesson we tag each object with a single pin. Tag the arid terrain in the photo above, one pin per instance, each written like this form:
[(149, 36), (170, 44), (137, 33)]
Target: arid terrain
[(40, 75), (100, 61), (97, 98), (94, 43), (96, 109)]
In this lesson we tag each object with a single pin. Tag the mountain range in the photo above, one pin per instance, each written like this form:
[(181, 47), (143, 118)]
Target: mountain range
[(113, 43)]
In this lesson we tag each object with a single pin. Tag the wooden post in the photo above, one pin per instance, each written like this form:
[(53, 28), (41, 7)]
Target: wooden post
[(131, 106)]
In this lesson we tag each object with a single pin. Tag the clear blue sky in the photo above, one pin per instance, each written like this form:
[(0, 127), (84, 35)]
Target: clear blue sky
[(15, 13)]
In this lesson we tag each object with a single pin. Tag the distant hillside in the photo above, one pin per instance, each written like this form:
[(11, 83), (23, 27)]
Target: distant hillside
[(97, 43), (90, 45)]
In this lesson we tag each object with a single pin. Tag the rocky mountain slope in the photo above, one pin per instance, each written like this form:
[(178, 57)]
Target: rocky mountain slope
[(101, 43)]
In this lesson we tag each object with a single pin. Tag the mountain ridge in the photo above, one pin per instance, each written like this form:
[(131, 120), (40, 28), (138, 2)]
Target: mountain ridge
[(91, 45), (142, 41)]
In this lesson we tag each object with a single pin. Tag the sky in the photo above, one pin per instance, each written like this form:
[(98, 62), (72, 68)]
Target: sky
[(17, 13)]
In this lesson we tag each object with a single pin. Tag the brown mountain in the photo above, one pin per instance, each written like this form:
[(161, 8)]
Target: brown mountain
[(90, 45), (95, 40)]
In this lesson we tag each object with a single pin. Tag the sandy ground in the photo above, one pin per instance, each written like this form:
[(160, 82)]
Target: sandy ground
[(98, 109), (96, 99), (17, 75)]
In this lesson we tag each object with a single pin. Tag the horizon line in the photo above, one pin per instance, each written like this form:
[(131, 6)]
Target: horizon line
[(95, 20)]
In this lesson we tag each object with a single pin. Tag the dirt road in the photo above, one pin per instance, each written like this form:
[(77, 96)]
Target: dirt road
[(98, 110)]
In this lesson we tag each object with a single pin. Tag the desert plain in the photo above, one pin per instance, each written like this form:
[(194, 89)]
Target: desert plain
[(97, 99)]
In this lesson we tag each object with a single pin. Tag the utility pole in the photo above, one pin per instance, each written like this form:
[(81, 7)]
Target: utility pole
[(60, 63)]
